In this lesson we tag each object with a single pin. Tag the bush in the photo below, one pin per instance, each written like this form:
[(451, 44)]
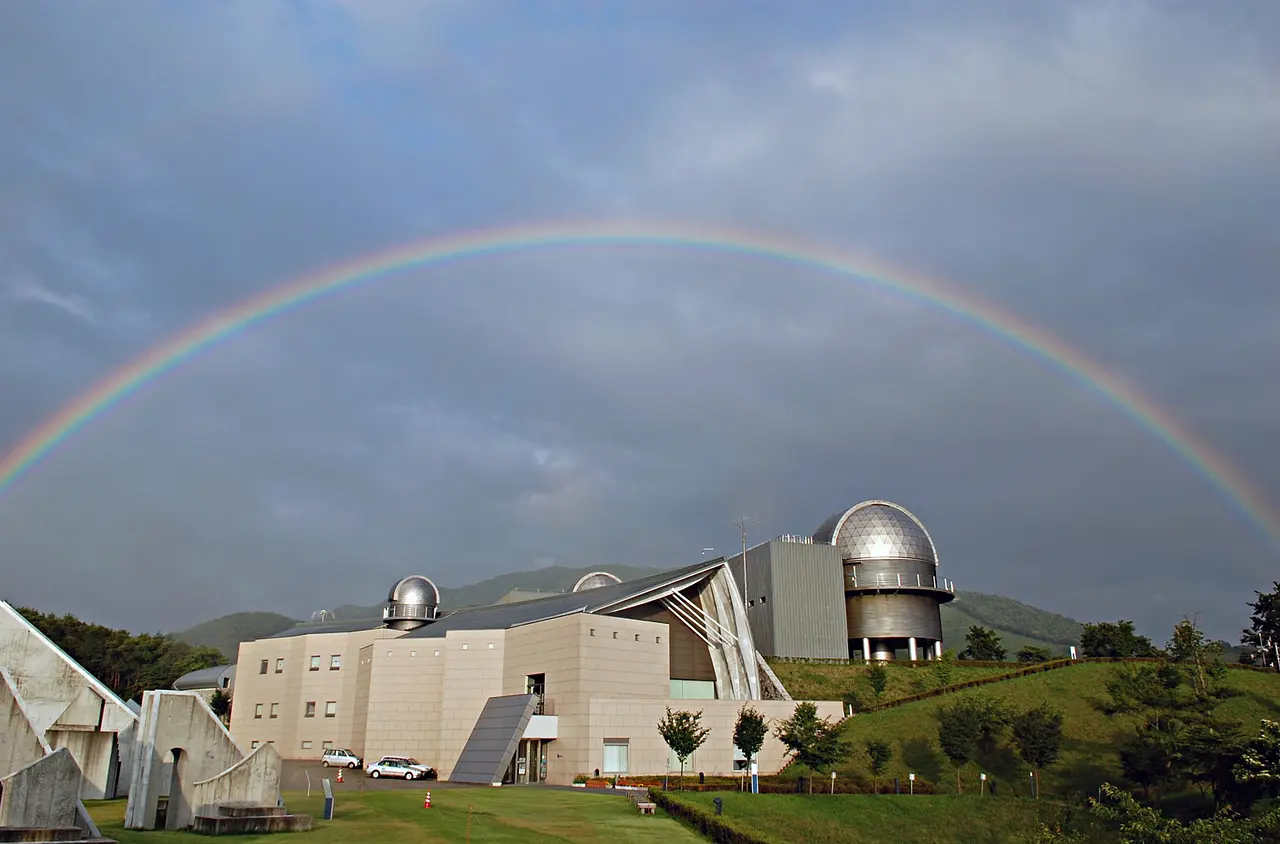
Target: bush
[(706, 823)]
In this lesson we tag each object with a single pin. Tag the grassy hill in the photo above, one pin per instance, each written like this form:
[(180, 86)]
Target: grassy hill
[(226, 633), (1088, 756)]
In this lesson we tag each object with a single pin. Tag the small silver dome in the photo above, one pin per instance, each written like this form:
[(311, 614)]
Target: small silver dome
[(595, 580), (877, 530), (414, 589)]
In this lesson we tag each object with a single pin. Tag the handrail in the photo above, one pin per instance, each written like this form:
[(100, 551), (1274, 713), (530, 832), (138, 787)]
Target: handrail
[(895, 580)]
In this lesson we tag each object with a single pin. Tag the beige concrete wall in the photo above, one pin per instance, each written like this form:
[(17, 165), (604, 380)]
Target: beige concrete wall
[(254, 780), (637, 721), (45, 794), (294, 686), (20, 744)]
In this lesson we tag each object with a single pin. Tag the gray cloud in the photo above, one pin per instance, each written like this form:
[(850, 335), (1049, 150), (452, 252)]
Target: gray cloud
[(1107, 173)]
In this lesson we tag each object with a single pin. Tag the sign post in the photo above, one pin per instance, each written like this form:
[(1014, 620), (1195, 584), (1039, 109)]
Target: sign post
[(328, 799), (755, 777), (982, 783), (911, 783)]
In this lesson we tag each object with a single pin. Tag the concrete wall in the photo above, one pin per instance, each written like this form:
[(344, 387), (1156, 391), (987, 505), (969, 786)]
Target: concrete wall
[(44, 794), (255, 780), (636, 721), (181, 722), (20, 744), (66, 704)]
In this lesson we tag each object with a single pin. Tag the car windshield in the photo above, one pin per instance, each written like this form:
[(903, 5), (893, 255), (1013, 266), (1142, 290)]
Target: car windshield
[(412, 761)]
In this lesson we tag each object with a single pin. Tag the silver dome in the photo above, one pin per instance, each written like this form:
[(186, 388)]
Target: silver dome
[(414, 589), (877, 530), (595, 580)]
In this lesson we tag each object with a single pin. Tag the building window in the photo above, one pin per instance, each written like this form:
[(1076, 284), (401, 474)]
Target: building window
[(310, 711), (413, 653), (306, 745), (275, 710), (280, 666), (331, 709), (617, 756), (593, 631), (657, 639), (464, 646), (226, 683), (637, 637), (257, 711), (253, 745), (335, 662), (615, 634), (328, 745), (763, 598), (315, 663), (262, 669)]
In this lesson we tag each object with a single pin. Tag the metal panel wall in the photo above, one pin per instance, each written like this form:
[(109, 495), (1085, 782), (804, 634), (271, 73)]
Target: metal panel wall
[(759, 583), (807, 604), (893, 615), (493, 739)]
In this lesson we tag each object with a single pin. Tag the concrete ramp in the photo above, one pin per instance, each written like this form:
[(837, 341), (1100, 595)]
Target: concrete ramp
[(493, 739)]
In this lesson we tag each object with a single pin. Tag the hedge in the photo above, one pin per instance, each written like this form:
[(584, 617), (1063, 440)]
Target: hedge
[(702, 820)]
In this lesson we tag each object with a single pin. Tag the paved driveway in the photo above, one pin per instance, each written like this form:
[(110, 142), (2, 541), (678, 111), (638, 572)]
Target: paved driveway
[(297, 773)]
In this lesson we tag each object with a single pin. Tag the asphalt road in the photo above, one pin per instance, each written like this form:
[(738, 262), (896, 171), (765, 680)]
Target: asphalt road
[(296, 773)]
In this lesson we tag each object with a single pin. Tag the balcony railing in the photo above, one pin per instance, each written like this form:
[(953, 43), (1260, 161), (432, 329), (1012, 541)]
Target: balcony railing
[(415, 612), (544, 706), (885, 580)]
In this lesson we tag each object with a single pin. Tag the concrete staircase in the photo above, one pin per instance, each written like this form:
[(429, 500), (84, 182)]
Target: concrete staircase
[(55, 835), (243, 818)]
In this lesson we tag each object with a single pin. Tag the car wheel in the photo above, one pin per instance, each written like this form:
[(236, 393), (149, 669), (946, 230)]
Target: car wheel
[(374, 774), (408, 775), (351, 764), (325, 763)]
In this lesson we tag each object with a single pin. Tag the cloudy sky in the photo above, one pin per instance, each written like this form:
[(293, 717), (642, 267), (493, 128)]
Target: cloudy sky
[(1108, 172)]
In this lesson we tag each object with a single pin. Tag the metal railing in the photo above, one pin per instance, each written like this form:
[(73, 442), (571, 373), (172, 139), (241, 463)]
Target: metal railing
[(416, 612), (899, 580), (789, 537), (543, 706)]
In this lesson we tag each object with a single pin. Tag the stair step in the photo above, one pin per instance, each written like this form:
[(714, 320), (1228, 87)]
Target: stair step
[(249, 810), (41, 834), (250, 824)]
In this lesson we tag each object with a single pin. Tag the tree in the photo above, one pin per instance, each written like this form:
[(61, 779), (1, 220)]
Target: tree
[(814, 742), (879, 752), (749, 733), (1204, 659), (1260, 760), (1033, 655), (944, 670), (959, 731), (1037, 736), (1138, 824), (220, 703), (683, 732), (878, 677), (1261, 637), (1114, 639), (983, 644)]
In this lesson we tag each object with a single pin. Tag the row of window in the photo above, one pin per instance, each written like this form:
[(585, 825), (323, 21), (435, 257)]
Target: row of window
[(306, 745), (335, 663), (657, 639), (330, 710)]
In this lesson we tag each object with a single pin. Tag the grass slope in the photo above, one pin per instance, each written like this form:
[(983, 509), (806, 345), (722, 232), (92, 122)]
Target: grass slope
[(1018, 618), (812, 681), (856, 818), (1089, 750), (508, 815), (226, 633)]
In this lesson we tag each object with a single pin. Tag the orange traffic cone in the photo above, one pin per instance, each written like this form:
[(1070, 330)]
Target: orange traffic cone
[(426, 804), (339, 775)]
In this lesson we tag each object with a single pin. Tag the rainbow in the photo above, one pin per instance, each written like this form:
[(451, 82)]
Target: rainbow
[(109, 392)]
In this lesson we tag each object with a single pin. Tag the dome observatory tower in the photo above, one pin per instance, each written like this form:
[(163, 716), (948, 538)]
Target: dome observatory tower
[(411, 603), (891, 584)]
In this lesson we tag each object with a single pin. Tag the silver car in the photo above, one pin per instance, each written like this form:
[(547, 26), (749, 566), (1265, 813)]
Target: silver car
[(405, 767)]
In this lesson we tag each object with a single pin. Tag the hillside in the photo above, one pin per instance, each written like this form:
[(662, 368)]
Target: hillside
[(1088, 757), (226, 633)]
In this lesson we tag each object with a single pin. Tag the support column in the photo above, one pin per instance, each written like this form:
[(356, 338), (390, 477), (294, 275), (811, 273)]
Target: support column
[(937, 649), (866, 650), (911, 648)]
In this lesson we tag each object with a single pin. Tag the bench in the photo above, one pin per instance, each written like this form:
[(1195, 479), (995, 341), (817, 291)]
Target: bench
[(646, 808)]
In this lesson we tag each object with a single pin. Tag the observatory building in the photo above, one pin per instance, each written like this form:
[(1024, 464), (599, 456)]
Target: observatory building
[(541, 687), (864, 585)]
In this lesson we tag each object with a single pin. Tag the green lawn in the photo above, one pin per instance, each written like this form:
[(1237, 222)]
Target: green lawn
[(855, 818), (500, 815), (814, 681), (1089, 751)]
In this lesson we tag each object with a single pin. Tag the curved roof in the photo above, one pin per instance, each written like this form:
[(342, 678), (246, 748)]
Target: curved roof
[(595, 580), (206, 678), (415, 589), (877, 530)]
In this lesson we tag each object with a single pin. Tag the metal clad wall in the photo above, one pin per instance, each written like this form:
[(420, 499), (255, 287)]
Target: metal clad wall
[(807, 604), (493, 739), (893, 614)]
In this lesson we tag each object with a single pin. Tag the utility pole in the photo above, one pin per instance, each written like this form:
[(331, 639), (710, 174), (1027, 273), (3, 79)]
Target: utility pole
[(742, 530)]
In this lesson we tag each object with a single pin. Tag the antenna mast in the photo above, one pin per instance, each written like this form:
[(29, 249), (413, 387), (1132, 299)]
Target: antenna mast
[(742, 523)]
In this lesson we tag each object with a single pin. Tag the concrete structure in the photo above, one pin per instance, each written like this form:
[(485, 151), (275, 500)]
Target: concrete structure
[(188, 763), (67, 706), (864, 585), (598, 667)]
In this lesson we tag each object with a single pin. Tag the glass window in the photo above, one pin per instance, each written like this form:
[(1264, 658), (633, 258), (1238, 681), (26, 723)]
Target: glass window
[(315, 662), (253, 745), (328, 745), (335, 662), (310, 710), (617, 753), (330, 709), (275, 710), (280, 665), (257, 711), (262, 669), (306, 745)]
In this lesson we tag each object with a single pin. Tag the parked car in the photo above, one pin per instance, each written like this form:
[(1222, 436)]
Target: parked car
[(405, 767), (340, 759)]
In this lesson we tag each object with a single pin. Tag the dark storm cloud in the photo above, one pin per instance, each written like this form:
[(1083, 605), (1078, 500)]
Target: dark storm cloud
[(1107, 172)]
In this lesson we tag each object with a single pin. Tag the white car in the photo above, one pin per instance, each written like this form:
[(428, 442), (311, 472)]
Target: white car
[(401, 766), (340, 759)]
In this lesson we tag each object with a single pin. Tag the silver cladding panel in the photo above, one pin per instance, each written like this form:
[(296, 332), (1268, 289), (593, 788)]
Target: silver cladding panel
[(893, 616), (877, 530), (415, 589), (803, 612), (493, 739)]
